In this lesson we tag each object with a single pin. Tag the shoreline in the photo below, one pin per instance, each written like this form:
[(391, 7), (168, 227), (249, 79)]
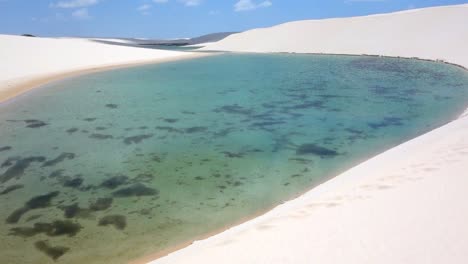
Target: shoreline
[(291, 221), (421, 149), (315, 194), (159, 255), (317, 191), (11, 89), (26, 85)]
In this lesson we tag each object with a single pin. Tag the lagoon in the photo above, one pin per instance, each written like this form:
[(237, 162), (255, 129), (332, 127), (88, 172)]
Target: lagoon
[(157, 155)]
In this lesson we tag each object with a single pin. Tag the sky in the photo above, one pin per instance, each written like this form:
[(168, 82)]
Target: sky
[(178, 18)]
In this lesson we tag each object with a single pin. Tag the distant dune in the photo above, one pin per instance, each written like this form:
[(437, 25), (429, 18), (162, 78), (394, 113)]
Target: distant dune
[(431, 33), (209, 38)]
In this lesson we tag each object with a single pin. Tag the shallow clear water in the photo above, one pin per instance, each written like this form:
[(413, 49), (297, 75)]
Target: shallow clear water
[(112, 166)]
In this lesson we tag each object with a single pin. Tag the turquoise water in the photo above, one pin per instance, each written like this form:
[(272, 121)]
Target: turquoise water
[(111, 166)]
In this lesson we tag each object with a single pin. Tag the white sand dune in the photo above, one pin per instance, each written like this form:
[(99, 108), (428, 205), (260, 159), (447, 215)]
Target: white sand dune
[(407, 205), (431, 33), (28, 62)]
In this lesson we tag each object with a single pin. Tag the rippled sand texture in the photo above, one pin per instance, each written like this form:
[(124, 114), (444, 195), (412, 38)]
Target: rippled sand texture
[(112, 166)]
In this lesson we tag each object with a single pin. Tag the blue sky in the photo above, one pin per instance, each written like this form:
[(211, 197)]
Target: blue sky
[(178, 18)]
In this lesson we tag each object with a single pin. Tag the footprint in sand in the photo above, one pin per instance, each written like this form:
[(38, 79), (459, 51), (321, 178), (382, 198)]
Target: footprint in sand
[(377, 187), (452, 160), (431, 169), (337, 198), (225, 242), (366, 187), (413, 179), (313, 205), (264, 227), (384, 187)]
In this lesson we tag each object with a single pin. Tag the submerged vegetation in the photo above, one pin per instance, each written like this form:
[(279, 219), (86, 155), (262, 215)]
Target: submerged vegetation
[(136, 189), (53, 252), (37, 202), (56, 228), (316, 150), (118, 221), (145, 153)]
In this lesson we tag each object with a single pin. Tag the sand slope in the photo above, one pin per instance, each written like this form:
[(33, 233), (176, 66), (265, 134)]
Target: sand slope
[(28, 62), (431, 33), (407, 205)]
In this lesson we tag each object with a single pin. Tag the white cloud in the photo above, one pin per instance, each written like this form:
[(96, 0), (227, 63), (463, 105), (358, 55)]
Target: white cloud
[(364, 1), (184, 2), (191, 2), (75, 3), (81, 14), (52, 18), (144, 9), (265, 4), (247, 5)]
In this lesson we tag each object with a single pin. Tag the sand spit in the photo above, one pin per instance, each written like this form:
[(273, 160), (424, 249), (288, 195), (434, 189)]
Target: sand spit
[(30, 62)]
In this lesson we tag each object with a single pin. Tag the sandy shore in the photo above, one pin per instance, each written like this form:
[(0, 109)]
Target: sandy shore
[(406, 205), (30, 62)]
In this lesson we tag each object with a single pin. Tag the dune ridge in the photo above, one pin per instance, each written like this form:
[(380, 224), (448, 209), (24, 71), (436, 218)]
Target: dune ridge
[(437, 33)]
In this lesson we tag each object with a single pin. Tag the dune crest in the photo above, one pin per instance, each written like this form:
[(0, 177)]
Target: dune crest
[(438, 33)]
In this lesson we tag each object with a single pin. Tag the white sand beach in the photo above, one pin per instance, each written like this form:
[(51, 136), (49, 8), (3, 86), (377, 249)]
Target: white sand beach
[(29, 62), (406, 205)]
